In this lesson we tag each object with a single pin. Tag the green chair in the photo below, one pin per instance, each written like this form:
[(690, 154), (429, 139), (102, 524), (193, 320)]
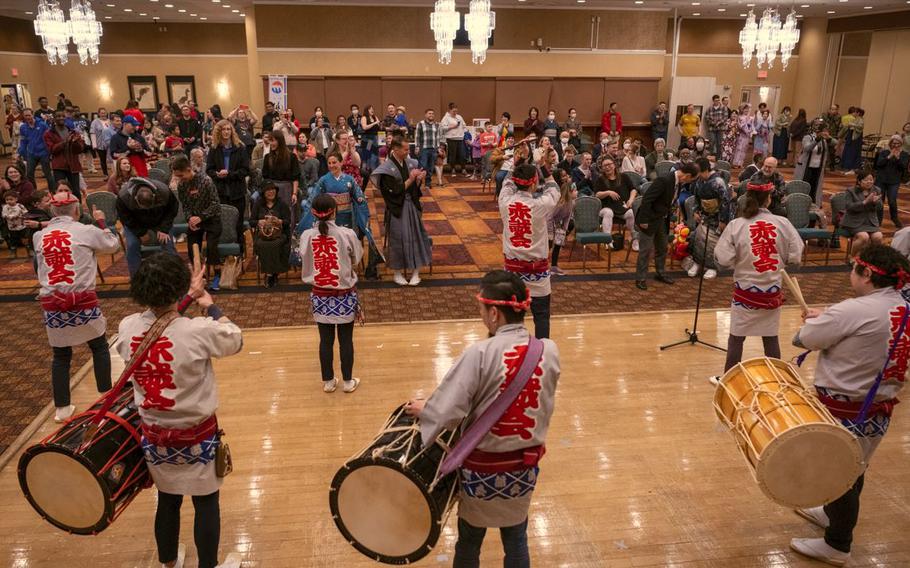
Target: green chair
[(180, 226), (797, 186), (838, 208), (663, 168), (588, 228), (723, 165), (228, 245), (798, 212)]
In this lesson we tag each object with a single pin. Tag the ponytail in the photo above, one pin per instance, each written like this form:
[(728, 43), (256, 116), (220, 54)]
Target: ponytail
[(323, 227), (755, 200), (323, 210)]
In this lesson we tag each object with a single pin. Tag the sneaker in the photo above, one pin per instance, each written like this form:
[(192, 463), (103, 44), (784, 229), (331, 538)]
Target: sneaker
[(557, 271), (634, 245), (216, 283), (820, 550), (710, 273), (181, 238), (232, 560), (693, 270), (399, 279), (415, 279), (64, 413), (181, 556), (815, 515), (329, 386), (351, 386), (687, 263), (714, 380)]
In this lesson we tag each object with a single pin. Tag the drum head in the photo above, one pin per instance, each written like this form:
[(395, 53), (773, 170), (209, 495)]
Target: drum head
[(63, 490), (384, 512), (809, 465)]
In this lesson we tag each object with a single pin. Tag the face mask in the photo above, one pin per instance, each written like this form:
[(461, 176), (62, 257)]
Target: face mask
[(700, 145), (626, 146), (565, 140)]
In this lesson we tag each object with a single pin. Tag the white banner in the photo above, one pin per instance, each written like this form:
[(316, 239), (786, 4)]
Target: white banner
[(278, 91)]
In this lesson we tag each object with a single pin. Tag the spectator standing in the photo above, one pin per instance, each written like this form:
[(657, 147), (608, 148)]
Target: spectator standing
[(199, 198), (369, 141), (269, 117), (228, 166), (810, 167), (799, 127), (189, 129), (852, 136), (426, 138), (129, 143), (132, 109), (551, 127), (728, 145), (660, 120), (44, 112), (763, 128), (452, 127), (341, 126), (244, 121), (611, 122), (97, 137), (689, 124), (287, 128), (716, 121), (65, 146), (573, 127), (781, 144), (354, 121), (283, 169), (146, 209), (890, 167), (115, 123), (533, 125), (745, 132), (306, 159), (32, 148), (505, 129)]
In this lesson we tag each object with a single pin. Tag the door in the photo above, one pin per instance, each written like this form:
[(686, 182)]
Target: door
[(755, 94)]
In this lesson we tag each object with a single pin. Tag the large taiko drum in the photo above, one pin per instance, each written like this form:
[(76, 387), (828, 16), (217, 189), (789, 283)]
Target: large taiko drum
[(387, 501), (83, 486), (799, 454)]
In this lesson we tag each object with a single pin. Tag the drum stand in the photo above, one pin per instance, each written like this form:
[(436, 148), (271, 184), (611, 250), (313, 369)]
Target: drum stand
[(692, 336)]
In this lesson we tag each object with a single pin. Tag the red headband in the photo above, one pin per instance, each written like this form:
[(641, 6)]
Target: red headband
[(513, 303), (62, 198), (902, 277), (323, 214), (525, 182), (763, 187)]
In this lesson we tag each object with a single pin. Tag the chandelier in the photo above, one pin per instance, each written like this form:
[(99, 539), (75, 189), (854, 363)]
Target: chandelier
[(51, 26), (480, 23), (85, 30), (764, 38), (445, 22)]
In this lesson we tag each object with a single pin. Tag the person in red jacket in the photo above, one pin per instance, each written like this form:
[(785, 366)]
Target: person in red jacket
[(611, 122), (132, 109), (65, 146)]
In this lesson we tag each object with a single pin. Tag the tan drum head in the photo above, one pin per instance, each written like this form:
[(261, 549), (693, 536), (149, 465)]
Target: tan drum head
[(384, 511), (809, 465), (65, 491)]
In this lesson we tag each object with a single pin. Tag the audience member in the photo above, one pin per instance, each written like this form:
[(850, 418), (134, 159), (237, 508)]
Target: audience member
[(763, 126), (505, 129), (228, 166), (282, 168), (861, 217), (122, 172), (660, 120), (633, 161), (99, 145), (689, 124), (716, 122), (146, 209), (551, 127), (781, 145), (574, 128), (851, 136), (533, 124), (799, 127), (583, 175), (745, 132), (307, 161), (286, 128), (616, 193), (32, 148), (890, 168), (452, 127), (19, 184), (611, 122), (244, 121), (712, 213), (269, 117), (64, 146), (810, 167), (271, 222), (659, 154), (426, 139), (130, 144), (199, 198), (561, 221)]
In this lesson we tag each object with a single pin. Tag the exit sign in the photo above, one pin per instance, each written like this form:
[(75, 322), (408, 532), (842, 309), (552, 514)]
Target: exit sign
[(763, 74)]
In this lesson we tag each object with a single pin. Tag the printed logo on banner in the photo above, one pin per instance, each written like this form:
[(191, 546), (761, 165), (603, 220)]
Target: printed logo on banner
[(278, 90)]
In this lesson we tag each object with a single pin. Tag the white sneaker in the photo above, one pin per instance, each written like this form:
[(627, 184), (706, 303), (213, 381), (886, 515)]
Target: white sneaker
[(710, 273), (399, 278), (818, 549), (693, 271), (687, 263), (329, 386), (181, 556), (714, 380), (64, 413), (415, 278), (351, 386), (815, 515), (634, 245), (232, 560)]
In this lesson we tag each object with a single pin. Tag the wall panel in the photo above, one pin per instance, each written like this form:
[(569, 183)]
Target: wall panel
[(341, 93), (516, 96), (416, 95), (476, 98), (586, 95)]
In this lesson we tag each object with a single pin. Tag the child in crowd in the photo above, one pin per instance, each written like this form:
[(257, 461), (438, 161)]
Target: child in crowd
[(441, 155), (14, 217), (476, 154), (173, 144), (561, 220), (401, 119)]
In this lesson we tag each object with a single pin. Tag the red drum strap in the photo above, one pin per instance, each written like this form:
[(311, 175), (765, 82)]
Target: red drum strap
[(501, 462), (849, 410), (177, 438)]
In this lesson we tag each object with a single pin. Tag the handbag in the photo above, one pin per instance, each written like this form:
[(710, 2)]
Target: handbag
[(559, 236), (224, 464)]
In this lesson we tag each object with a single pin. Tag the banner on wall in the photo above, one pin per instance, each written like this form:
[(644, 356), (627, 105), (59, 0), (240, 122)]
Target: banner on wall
[(278, 91)]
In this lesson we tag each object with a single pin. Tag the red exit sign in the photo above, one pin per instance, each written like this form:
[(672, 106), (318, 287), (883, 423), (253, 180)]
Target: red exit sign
[(763, 74)]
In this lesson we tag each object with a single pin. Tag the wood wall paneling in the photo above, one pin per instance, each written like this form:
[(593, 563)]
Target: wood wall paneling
[(416, 95), (635, 98), (476, 98), (886, 21), (517, 96), (342, 92), (305, 94), (18, 36), (857, 44), (586, 95)]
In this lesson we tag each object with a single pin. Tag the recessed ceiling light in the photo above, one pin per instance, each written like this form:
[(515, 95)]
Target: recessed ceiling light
[(236, 11), (127, 9), (168, 5), (799, 15), (831, 11), (29, 13), (194, 15), (843, 1), (639, 1), (696, 14), (111, 5), (143, 14), (804, 6), (721, 9), (182, 11), (107, 17), (743, 15), (242, 15), (203, 18), (750, 5), (696, 3), (867, 7), (580, 1), (225, 5)]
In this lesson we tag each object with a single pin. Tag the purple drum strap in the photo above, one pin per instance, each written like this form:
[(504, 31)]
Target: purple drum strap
[(494, 412)]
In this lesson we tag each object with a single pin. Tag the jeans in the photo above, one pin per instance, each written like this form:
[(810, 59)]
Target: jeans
[(501, 176), (540, 310), (60, 369), (327, 349), (716, 139), (735, 349), (427, 161), (206, 527), (72, 178), (889, 190), (45, 162), (102, 159), (470, 539), (134, 249), (653, 239), (211, 230), (843, 514)]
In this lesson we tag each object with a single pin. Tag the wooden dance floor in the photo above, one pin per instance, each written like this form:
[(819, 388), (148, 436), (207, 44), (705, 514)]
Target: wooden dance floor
[(638, 472)]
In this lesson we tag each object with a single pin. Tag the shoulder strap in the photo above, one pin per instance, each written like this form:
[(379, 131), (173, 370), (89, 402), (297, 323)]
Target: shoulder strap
[(482, 426), (870, 398)]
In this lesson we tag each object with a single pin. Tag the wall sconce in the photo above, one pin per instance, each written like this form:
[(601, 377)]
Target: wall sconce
[(223, 89), (104, 89)]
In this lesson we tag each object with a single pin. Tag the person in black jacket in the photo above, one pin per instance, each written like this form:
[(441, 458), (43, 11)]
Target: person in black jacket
[(652, 221), (189, 128), (146, 207), (228, 165), (890, 167)]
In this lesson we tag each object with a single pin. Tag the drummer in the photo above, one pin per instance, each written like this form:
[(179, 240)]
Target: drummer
[(498, 478), (176, 395), (65, 256), (855, 339), (758, 245)]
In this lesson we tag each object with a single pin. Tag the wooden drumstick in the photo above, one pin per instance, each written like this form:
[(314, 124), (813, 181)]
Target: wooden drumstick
[(196, 260), (793, 285)]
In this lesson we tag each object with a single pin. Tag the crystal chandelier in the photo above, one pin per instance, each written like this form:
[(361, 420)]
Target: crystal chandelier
[(445, 22), (763, 39), (51, 26), (85, 30), (480, 23)]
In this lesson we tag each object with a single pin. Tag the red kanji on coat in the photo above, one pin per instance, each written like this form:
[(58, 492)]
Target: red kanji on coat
[(155, 373), (325, 261), (58, 256), (897, 365), (520, 225), (515, 421), (764, 246)]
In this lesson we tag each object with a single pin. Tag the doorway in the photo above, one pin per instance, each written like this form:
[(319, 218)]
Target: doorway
[(755, 94)]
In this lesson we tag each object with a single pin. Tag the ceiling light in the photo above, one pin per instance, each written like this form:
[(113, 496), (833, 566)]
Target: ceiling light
[(639, 1), (127, 9), (111, 5), (804, 6), (194, 15), (107, 17), (168, 5), (444, 22), (203, 18), (721, 9), (143, 14), (479, 22), (242, 15), (743, 15), (831, 12), (235, 11), (580, 1), (182, 11), (843, 1), (29, 13), (867, 7), (696, 13), (696, 3)]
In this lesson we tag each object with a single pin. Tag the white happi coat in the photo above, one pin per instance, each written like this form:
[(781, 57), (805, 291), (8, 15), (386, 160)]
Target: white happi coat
[(757, 249), (328, 262), (853, 339), (65, 254), (524, 229), (175, 388), (471, 385)]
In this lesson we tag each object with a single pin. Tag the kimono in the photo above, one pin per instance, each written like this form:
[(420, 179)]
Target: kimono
[(328, 266), (853, 339), (757, 249), (409, 246), (174, 389), (524, 241), (728, 143), (65, 255), (496, 496), (763, 129), (745, 130), (713, 205)]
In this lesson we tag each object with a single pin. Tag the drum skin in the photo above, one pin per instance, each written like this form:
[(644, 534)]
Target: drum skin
[(799, 454), (381, 499)]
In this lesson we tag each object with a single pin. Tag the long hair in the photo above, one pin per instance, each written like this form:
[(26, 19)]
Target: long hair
[(218, 140), (324, 203), (282, 154), (755, 200), (119, 176)]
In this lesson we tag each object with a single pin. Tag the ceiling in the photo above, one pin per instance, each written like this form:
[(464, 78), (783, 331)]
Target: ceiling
[(234, 10)]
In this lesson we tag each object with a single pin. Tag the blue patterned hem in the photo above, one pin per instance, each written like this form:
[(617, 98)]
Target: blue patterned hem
[(58, 320), (203, 453), (334, 306), (507, 485)]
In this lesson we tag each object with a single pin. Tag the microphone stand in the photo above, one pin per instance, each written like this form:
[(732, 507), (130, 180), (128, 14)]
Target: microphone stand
[(692, 336)]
